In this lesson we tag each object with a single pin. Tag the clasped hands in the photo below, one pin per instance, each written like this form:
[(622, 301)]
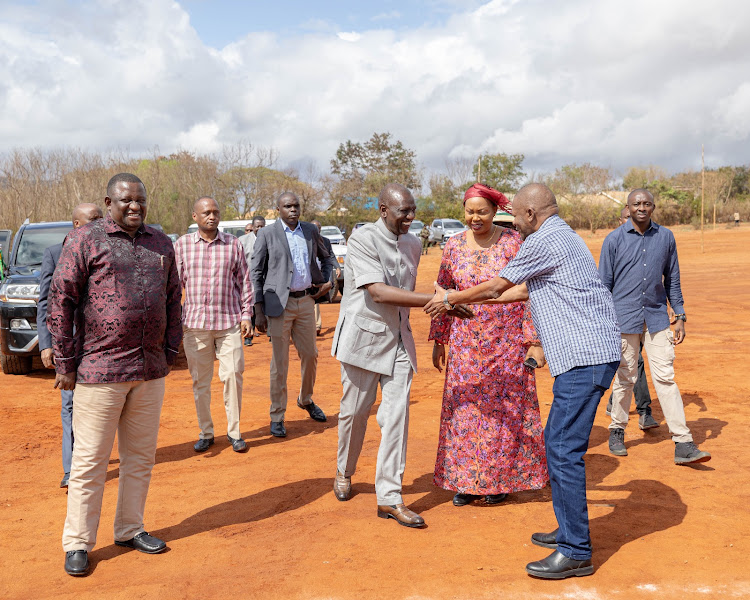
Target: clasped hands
[(436, 306)]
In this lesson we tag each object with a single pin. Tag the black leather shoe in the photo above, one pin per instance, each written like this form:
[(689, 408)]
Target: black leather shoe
[(203, 445), (77, 563), (494, 498), (314, 411), (238, 445), (559, 566), (65, 479), (278, 429), (143, 542), (464, 499), (545, 540)]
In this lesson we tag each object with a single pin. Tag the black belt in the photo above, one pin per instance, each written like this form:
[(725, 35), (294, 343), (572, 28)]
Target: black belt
[(300, 294)]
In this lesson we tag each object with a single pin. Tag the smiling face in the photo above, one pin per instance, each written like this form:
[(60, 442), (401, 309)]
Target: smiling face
[(641, 207), (398, 210), (478, 213), (127, 205)]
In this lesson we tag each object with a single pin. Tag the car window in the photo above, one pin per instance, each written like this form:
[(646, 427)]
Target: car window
[(35, 241), (452, 224), (416, 226), (437, 223), (330, 230)]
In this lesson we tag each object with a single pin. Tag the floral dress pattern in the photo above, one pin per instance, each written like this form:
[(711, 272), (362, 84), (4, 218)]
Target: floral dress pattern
[(491, 439)]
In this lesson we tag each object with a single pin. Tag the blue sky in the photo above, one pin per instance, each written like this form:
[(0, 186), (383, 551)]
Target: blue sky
[(219, 22)]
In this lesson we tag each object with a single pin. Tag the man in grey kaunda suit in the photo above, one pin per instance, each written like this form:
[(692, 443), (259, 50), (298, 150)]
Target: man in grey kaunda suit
[(374, 343)]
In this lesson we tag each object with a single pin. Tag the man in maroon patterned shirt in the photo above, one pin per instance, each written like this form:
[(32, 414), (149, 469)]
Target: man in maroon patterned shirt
[(218, 306), (122, 278)]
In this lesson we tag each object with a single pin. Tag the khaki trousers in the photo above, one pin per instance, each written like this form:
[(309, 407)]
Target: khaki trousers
[(318, 318), (360, 389), (202, 346), (132, 410), (298, 322), (660, 352)]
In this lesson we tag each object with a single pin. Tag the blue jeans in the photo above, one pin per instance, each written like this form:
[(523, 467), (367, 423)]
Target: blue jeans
[(66, 415), (576, 396)]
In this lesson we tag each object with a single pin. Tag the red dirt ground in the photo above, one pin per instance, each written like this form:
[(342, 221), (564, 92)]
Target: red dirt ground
[(266, 524)]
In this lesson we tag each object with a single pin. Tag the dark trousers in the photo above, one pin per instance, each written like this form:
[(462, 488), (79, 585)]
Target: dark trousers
[(576, 397), (640, 390)]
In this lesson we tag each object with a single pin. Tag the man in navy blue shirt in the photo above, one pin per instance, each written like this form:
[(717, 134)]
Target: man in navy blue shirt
[(639, 266)]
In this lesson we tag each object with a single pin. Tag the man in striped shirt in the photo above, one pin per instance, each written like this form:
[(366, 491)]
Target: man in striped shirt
[(215, 317)]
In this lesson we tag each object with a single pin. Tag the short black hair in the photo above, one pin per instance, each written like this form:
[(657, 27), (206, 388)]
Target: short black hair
[(124, 177), (258, 218)]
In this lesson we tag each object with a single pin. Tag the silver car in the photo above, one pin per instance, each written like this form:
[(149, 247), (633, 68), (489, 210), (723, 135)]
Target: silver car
[(444, 229)]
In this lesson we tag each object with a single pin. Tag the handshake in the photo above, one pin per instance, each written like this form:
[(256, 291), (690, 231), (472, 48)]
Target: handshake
[(439, 305)]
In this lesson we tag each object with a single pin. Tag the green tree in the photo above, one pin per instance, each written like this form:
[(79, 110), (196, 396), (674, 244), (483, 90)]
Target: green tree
[(502, 171), (575, 179), (642, 177)]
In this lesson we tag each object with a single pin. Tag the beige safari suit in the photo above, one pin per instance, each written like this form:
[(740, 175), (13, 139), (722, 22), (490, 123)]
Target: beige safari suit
[(375, 346)]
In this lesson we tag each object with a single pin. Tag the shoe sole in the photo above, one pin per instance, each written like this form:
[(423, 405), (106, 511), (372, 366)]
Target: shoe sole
[(544, 544), (132, 547), (642, 428), (495, 502), (692, 461), (78, 573), (618, 452), (582, 572), (278, 435), (383, 515)]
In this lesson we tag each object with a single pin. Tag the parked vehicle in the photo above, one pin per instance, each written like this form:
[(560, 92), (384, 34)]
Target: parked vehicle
[(333, 234), (4, 247), (416, 228), (444, 229), (19, 293), (174, 237)]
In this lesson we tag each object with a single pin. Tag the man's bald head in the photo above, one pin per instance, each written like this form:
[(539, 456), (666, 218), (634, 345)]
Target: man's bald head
[(397, 208), (532, 205), (85, 213), (204, 201), (640, 192)]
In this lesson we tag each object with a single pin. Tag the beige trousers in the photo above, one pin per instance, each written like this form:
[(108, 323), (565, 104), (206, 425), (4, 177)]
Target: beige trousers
[(298, 322), (360, 389), (660, 352), (202, 346), (132, 410), (318, 318)]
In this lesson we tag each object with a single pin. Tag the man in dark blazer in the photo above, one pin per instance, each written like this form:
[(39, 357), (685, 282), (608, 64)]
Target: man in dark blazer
[(286, 282), (82, 214)]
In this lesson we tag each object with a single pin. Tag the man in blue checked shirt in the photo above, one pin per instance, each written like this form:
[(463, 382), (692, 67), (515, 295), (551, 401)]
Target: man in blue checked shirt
[(639, 266), (575, 318)]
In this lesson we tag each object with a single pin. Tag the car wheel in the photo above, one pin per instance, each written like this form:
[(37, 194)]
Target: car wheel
[(15, 365)]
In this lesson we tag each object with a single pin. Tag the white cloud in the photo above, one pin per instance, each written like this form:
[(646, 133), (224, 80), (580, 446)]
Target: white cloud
[(614, 83)]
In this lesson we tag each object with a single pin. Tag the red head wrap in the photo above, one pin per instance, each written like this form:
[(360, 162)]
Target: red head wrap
[(479, 190)]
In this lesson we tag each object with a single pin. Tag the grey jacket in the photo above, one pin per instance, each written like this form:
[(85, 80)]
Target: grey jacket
[(367, 333), (49, 262), (271, 266)]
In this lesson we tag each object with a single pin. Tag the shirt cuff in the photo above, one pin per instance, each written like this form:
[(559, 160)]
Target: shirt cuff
[(368, 278), (63, 366)]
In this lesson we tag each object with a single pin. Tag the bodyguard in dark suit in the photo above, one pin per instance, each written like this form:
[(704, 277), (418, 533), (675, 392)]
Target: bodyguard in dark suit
[(286, 282), (82, 214)]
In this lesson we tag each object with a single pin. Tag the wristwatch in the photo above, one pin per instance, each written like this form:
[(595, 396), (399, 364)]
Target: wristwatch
[(681, 317), (445, 300)]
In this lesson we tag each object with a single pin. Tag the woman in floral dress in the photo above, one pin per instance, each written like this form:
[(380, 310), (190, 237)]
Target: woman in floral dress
[(491, 442)]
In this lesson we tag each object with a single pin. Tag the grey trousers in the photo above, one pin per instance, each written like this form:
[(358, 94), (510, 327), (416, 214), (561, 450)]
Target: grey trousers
[(360, 389)]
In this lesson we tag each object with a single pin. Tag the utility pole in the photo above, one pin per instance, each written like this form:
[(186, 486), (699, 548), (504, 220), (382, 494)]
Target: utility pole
[(703, 185), (479, 169)]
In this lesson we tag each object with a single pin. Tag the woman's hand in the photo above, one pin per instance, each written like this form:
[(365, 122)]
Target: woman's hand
[(438, 356), (537, 354)]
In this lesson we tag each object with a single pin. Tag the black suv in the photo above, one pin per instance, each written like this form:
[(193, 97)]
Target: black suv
[(19, 293)]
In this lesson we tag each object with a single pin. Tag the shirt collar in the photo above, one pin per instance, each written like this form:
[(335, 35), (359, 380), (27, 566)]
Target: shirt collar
[(221, 237), (380, 224), (110, 226), (629, 226), (287, 228)]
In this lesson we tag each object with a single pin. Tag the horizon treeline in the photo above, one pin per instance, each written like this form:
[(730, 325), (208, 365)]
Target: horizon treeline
[(245, 179)]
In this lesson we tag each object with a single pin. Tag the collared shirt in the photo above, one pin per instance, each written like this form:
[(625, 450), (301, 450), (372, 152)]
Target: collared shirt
[(301, 277), (572, 310), (216, 279), (642, 271), (128, 293)]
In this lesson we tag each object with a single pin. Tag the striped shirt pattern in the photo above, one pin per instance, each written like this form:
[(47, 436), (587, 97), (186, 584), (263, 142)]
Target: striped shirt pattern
[(216, 280), (572, 310)]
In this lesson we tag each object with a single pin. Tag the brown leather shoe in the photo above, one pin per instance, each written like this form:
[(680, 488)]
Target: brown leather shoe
[(342, 487), (403, 516)]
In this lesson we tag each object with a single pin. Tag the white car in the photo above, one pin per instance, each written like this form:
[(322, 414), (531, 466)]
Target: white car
[(333, 234), (443, 229)]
